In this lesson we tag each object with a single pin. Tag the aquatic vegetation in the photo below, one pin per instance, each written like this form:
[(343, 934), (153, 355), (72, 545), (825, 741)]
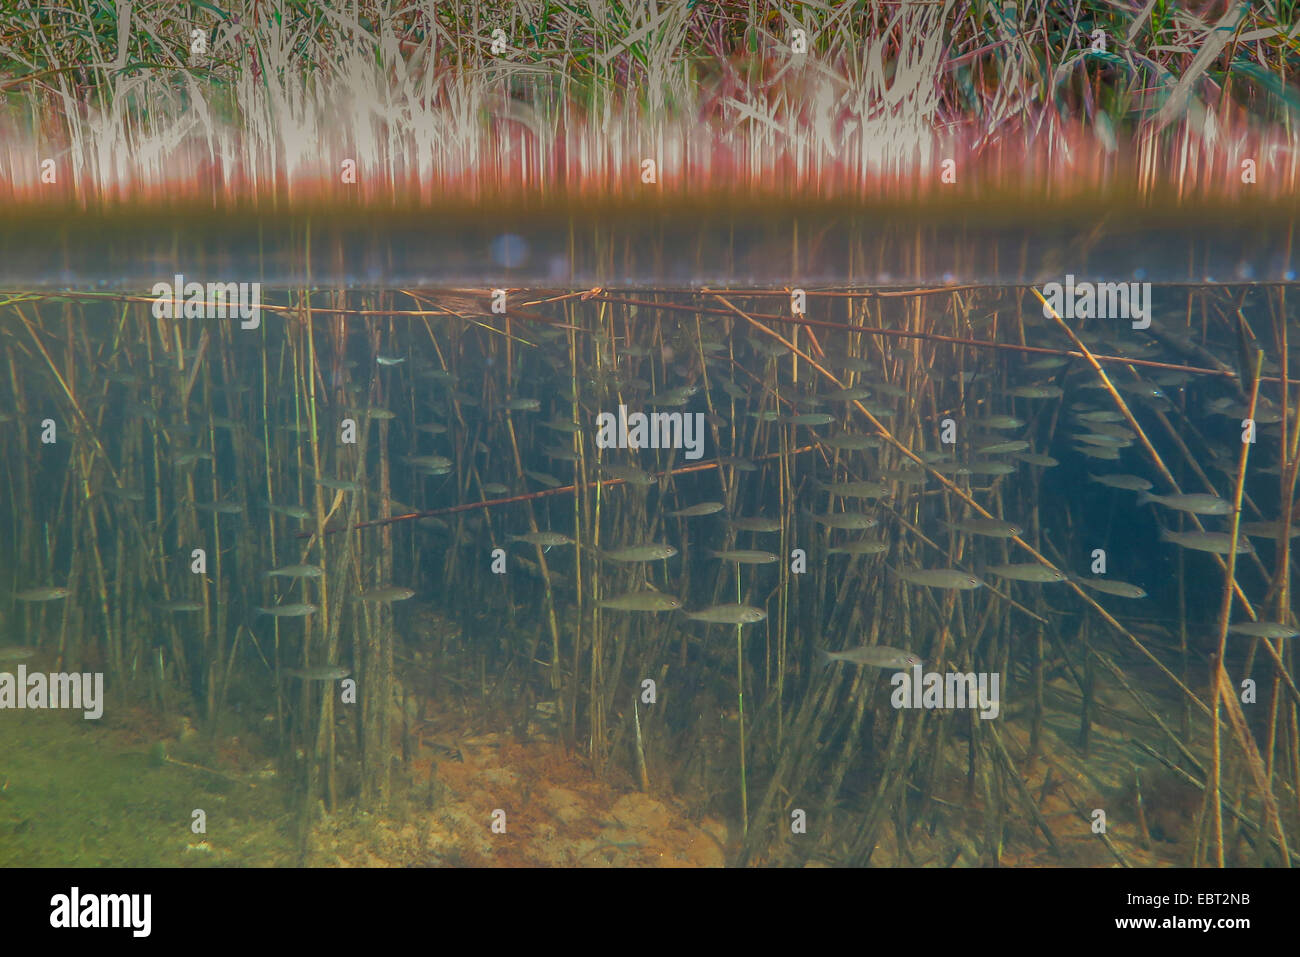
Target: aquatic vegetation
[(1046, 577), (604, 377), (725, 100)]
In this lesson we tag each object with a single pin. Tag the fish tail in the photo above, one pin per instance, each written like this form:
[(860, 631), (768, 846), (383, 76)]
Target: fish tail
[(824, 657), (1145, 497)]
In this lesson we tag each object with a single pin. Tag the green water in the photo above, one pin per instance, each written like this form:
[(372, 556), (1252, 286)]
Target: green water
[(77, 794), (398, 458)]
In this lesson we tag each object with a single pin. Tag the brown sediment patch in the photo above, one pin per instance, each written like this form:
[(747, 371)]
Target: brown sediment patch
[(555, 812)]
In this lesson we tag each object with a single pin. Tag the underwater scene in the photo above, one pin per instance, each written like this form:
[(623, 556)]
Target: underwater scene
[(943, 579), (533, 434)]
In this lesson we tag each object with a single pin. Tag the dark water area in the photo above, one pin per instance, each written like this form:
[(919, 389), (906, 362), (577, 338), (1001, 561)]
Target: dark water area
[(376, 527), (647, 244)]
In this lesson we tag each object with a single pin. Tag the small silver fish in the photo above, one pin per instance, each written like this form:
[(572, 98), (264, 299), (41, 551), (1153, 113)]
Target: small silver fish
[(1103, 441), (939, 577), (544, 539), (848, 520), (550, 481), (1028, 572), (387, 593), (990, 468), (847, 395), (1034, 458), (989, 527), (42, 594), (651, 552), (1129, 483), (561, 425), (220, 508), (745, 556), (1218, 543), (129, 494), (756, 523), (296, 571), (292, 511), (190, 456), (866, 547), (437, 464), (852, 442), (808, 418), (907, 476), (296, 610), (1100, 415), (728, 614), (1001, 448), (857, 489), (1198, 504), (320, 673), (875, 656), (642, 601), (180, 605), (339, 485), (1267, 529), (701, 508), (1097, 452), (1264, 629), (999, 422), (951, 468), (628, 473), (1036, 392), (373, 412), (1111, 586)]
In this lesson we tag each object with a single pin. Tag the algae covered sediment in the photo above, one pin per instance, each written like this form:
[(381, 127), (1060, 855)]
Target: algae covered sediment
[(88, 794)]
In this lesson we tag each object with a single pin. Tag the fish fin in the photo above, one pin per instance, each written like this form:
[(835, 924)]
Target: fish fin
[(824, 657), (1144, 497)]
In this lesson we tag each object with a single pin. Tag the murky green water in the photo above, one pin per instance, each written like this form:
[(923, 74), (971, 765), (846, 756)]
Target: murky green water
[(293, 543)]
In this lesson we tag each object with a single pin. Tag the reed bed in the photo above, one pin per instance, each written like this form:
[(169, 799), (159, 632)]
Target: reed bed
[(177, 435), (160, 102)]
